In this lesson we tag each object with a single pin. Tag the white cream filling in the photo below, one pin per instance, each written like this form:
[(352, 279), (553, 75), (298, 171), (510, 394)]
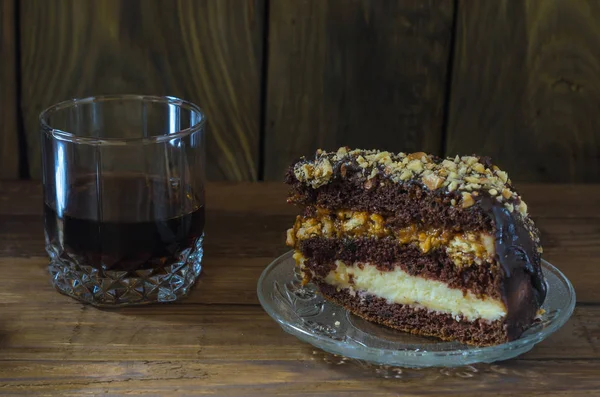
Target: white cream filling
[(397, 286)]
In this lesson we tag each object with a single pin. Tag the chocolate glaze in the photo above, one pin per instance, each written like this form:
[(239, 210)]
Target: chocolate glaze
[(524, 288)]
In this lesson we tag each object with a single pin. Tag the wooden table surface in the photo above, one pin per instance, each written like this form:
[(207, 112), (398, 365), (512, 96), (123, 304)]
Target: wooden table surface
[(219, 341)]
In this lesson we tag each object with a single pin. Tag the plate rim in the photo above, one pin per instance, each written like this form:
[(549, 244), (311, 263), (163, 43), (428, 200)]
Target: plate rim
[(526, 342)]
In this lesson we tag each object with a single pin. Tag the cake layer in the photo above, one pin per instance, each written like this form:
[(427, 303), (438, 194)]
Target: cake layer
[(463, 247), (418, 320), (407, 205), (461, 194), (443, 247), (411, 186), (397, 286), (387, 254)]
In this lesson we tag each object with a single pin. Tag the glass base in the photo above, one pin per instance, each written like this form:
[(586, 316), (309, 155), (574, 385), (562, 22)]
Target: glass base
[(109, 288)]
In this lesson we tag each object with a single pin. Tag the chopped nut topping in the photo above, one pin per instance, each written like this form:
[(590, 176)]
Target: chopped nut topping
[(464, 174), (450, 165), (374, 173), (406, 175), (416, 156), (502, 175), (522, 208), (433, 181), (415, 165), (479, 168), (290, 240), (467, 200), (362, 162), (380, 157), (470, 160)]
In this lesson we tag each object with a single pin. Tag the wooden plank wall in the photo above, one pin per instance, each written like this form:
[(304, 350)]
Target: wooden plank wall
[(526, 87), (9, 147), (358, 73), (206, 51), (513, 79)]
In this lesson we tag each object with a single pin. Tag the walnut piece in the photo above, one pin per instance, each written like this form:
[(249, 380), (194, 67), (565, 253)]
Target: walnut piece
[(406, 174), (433, 181), (416, 156), (467, 200), (479, 168), (415, 165), (290, 240)]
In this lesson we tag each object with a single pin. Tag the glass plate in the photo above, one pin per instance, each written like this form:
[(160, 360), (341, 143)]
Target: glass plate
[(308, 316)]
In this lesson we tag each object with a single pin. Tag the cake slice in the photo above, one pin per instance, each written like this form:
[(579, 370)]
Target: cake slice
[(430, 246)]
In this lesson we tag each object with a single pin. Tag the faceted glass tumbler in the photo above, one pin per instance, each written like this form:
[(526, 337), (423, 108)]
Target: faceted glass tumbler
[(124, 187)]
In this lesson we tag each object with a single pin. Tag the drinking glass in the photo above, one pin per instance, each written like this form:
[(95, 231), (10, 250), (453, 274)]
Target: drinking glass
[(124, 180)]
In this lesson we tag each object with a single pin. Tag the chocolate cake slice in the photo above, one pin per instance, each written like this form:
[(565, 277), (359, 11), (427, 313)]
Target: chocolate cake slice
[(430, 246)]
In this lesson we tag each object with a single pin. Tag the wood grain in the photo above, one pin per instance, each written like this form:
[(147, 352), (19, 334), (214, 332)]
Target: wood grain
[(9, 145), (361, 73), (525, 87), (62, 329), (219, 341), (206, 51), (318, 377)]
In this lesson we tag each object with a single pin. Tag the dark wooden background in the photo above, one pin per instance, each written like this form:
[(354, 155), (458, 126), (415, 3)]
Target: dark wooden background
[(518, 80)]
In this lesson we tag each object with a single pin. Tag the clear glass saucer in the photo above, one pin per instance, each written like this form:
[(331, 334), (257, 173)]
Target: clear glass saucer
[(304, 313)]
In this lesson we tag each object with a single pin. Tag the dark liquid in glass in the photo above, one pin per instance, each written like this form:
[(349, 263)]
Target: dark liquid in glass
[(137, 223)]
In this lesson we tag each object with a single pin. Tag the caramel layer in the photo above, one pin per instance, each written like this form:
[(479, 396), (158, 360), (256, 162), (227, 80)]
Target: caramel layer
[(465, 248)]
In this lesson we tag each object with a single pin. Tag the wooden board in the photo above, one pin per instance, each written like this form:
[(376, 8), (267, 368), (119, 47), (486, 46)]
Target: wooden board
[(318, 375), (206, 51), (9, 146), (525, 87), (360, 73), (219, 341)]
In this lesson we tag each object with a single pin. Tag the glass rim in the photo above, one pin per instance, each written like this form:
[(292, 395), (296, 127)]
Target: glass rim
[(71, 137)]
